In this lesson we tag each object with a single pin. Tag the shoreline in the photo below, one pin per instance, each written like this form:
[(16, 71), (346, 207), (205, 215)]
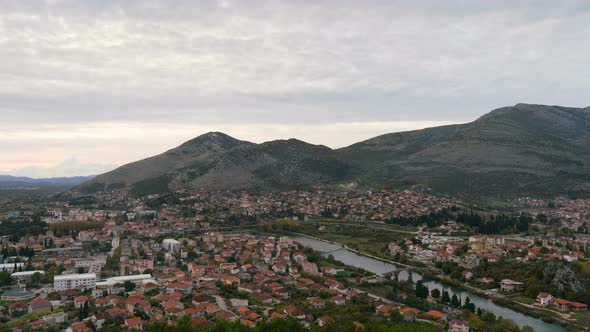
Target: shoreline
[(343, 246), (503, 302), (511, 304)]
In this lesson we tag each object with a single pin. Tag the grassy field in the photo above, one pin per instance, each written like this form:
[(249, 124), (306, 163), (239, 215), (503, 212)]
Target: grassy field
[(392, 227), (582, 318), (379, 290), (584, 267), (368, 240), (523, 299)]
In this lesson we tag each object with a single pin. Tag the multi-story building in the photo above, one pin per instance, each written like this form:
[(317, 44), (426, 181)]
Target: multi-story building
[(544, 299), (511, 286), (171, 245), (97, 260), (70, 281), (11, 267), (136, 279)]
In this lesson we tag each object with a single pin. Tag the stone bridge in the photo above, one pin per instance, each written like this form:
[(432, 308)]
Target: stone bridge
[(395, 274)]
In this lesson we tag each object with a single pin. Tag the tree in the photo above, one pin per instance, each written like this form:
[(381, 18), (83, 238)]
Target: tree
[(421, 290), (85, 309), (455, 301), (129, 286), (396, 317), (445, 297), (468, 305), (35, 281), (541, 218), (488, 317), (5, 278), (435, 293)]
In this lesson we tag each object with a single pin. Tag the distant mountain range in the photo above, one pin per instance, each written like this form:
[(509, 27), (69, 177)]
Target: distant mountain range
[(20, 181), (522, 149)]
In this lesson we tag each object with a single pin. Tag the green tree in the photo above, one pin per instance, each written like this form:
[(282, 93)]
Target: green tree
[(469, 305), (455, 301), (129, 286), (5, 278), (445, 297), (421, 290), (435, 293), (85, 310)]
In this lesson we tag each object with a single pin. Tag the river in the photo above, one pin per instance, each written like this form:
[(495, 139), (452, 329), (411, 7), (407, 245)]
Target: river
[(376, 266)]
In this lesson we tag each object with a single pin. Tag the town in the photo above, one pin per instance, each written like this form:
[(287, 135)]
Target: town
[(114, 260)]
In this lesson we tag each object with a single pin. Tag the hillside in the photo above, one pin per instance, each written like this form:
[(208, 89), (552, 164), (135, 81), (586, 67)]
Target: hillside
[(216, 161), (25, 188), (523, 149), (512, 150), (21, 181)]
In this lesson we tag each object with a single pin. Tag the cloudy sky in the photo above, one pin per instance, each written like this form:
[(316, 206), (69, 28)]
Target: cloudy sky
[(89, 85)]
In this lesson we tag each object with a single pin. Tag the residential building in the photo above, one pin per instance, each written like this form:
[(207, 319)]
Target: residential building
[(71, 281), (457, 325), (544, 299), (511, 286)]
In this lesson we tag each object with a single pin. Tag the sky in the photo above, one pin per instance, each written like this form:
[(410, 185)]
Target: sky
[(86, 86)]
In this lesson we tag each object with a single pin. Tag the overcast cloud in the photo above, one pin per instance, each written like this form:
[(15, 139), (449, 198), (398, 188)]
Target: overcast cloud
[(107, 82)]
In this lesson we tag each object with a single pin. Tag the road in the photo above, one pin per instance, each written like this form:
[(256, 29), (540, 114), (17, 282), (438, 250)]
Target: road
[(373, 296), (220, 302)]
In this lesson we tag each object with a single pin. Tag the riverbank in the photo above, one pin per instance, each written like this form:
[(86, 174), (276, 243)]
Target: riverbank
[(435, 274), (358, 252), (520, 315), (546, 315)]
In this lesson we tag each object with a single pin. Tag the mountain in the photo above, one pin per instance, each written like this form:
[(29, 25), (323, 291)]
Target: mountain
[(217, 161), (522, 149), (21, 181)]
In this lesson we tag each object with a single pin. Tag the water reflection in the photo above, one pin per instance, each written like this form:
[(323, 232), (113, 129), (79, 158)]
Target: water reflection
[(376, 266)]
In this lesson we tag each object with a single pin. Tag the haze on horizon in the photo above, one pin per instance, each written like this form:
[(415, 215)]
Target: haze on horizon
[(87, 86)]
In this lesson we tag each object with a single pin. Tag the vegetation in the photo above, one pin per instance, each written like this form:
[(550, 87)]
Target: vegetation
[(481, 224), (92, 188), (157, 185), (23, 228), (83, 200), (291, 325), (73, 227), (369, 239), (559, 278), (113, 262)]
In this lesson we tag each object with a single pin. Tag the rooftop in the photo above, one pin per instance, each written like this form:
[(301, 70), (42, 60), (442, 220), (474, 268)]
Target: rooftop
[(75, 276)]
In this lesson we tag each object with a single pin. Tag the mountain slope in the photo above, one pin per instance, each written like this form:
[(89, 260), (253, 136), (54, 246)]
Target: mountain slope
[(519, 149), (11, 181), (522, 149), (216, 161)]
